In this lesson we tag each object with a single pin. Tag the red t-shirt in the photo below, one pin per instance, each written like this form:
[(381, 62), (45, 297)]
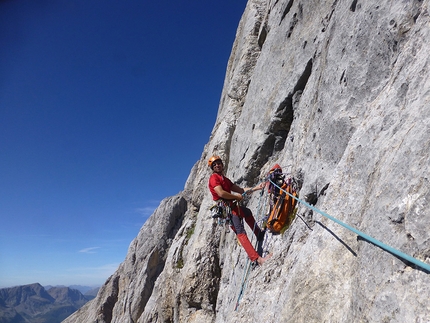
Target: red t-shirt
[(216, 180)]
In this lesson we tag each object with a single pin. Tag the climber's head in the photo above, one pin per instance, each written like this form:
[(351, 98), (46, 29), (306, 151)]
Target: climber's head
[(275, 168), (215, 161)]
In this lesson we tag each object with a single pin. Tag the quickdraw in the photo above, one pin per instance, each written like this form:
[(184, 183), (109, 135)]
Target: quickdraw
[(221, 211)]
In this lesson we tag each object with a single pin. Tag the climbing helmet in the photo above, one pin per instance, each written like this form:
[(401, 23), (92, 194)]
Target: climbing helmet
[(213, 159)]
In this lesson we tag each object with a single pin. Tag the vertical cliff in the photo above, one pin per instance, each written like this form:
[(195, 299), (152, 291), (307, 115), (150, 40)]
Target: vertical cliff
[(338, 93)]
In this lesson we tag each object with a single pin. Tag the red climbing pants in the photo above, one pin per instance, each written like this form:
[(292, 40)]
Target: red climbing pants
[(238, 214)]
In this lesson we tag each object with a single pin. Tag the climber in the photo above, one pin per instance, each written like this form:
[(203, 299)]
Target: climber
[(221, 188)]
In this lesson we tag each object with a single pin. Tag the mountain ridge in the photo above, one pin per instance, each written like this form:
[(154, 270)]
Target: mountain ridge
[(34, 303)]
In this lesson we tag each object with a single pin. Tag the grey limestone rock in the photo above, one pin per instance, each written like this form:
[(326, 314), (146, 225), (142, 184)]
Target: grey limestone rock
[(338, 93)]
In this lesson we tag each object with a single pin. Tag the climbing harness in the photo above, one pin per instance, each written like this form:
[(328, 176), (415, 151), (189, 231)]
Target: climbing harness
[(221, 211), (361, 234)]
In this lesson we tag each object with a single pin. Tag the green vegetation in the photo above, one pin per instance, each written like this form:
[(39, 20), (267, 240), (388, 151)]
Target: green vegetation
[(188, 233)]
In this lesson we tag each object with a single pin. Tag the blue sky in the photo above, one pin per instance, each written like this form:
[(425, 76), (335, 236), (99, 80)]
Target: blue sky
[(104, 108)]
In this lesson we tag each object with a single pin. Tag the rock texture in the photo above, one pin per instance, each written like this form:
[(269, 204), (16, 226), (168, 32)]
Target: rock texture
[(338, 93)]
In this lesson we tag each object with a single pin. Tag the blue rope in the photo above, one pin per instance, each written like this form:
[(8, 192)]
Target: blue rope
[(363, 235), (248, 262), (243, 284)]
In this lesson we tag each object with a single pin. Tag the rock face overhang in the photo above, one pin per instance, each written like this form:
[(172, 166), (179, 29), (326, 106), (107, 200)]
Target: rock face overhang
[(338, 93)]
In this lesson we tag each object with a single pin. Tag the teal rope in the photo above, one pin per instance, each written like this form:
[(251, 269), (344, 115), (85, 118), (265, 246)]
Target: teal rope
[(244, 281), (248, 262), (363, 235)]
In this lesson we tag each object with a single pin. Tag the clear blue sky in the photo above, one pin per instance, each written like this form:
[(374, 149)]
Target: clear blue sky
[(104, 108)]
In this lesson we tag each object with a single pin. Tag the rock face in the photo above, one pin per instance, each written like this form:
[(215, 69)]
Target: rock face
[(338, 93)]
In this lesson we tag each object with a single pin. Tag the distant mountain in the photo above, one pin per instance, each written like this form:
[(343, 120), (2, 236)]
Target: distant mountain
[(92, 293), (33, 303), (82, 289)]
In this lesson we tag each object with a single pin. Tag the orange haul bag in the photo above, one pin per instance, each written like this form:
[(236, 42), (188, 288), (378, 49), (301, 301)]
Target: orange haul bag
[(283, 212)]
